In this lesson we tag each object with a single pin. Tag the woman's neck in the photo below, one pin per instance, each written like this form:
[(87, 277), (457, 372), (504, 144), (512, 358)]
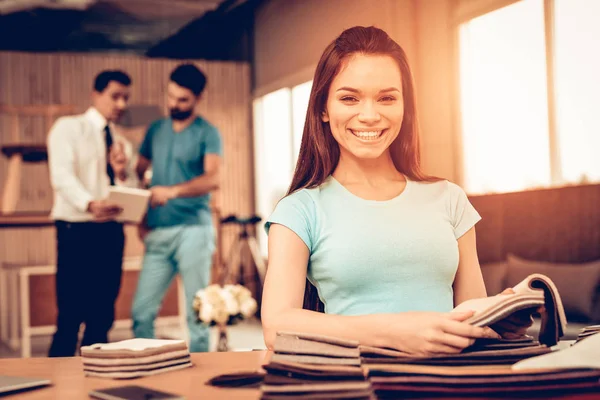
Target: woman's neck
[(374, 173)]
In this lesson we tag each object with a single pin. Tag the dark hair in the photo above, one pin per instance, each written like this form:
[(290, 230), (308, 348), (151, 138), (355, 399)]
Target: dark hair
[(105, 77), (190, 77), (319, 151)]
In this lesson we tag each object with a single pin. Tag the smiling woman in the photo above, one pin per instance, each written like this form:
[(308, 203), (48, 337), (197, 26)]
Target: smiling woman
[(389, 250)]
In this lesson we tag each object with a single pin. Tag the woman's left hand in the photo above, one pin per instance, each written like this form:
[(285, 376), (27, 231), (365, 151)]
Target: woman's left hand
[(515, 325)]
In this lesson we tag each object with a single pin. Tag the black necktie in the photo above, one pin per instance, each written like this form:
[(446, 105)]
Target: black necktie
[(109, 142)]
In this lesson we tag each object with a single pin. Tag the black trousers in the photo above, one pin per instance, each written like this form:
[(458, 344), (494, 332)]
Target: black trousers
[(88, 279)]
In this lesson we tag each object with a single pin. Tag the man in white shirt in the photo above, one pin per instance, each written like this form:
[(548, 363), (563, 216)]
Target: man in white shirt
[(86, 157)]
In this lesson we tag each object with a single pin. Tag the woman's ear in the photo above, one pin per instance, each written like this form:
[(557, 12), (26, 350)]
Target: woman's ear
[(324, 116)]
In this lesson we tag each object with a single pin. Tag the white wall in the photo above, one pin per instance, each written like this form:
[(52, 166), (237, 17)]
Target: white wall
[(435, 81), (290, 35)]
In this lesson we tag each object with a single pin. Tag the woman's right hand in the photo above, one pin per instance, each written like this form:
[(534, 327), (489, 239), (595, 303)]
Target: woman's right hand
[(429, 334)]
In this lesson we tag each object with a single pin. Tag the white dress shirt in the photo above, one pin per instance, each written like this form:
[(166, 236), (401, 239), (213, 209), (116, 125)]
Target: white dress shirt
[(77, 161)]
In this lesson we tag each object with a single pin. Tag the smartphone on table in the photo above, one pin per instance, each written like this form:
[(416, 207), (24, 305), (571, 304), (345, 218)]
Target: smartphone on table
[(133, 392)]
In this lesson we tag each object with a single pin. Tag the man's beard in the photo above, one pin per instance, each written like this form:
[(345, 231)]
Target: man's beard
[(179, 115)]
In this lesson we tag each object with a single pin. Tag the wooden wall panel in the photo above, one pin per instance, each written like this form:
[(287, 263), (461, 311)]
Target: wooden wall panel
[(27, 78)]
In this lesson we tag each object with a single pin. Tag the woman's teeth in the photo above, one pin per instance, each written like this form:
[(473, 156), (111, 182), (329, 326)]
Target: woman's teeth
[(367, 135)]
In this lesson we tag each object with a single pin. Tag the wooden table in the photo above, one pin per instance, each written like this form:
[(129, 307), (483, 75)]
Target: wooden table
[(69, 382)]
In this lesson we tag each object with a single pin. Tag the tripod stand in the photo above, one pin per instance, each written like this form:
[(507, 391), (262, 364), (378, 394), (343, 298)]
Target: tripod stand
[(236, 270)]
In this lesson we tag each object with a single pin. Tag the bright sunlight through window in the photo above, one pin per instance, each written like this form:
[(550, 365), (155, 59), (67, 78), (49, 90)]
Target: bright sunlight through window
[(504, 100), (278, 124), (577, 87), (300, 96)]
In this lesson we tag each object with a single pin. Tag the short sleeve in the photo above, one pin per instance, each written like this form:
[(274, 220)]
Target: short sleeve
[(297, 213), (146, 146), (213, 142), (462, 213)]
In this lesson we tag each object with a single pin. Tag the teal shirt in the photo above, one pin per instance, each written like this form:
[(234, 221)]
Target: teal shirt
[(177, 158), (389, 256)]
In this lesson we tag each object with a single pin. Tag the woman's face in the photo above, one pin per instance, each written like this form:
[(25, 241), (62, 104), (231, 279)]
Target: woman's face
[(365, 106)]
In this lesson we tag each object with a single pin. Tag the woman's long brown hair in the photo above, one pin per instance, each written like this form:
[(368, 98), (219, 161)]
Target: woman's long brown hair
[(319, 151)]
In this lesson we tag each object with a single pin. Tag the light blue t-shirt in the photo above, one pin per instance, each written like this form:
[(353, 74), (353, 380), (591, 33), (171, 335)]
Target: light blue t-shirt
[(177, 158), (391, 256)]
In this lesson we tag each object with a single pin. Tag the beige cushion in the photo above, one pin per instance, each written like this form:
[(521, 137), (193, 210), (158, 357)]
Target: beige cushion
[(494, 276), (576, 283)]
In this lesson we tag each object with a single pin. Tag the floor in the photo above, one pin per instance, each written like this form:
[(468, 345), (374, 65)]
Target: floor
[(246, 335)]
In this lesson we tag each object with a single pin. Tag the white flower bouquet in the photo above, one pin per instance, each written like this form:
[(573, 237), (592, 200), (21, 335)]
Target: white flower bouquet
[(224, 305)]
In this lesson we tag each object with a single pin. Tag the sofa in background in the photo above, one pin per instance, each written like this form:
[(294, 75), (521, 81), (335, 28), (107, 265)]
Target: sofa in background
[(555, 232)]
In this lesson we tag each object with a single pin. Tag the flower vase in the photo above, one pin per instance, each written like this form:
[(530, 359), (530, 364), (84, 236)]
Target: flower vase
[(222, 341)]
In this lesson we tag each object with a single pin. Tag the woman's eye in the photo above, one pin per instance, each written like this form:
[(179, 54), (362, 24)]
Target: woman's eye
[(349, 99), (388, 99)]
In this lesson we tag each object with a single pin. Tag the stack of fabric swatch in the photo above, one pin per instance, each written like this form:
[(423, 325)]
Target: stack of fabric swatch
[(403, 381), (574, 369), (587, 332), (307, 366), (134, 358)]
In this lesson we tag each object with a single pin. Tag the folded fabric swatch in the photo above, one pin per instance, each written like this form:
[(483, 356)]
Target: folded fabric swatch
[(314, 372), (483, 357), (504, 390), (298, 380), (583, 354), (403, 380), (307, 359), (314, 349), (502, 344), (318, 387), (534, 291), (138, 373), (134, 358), (137, 367), (132, 348), (354, 395), (479, 345), (320, 338), (587, 332), (287, 343)]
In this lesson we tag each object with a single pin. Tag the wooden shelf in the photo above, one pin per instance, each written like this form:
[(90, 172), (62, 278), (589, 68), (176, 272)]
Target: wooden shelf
[(28, 152), (18, 220)]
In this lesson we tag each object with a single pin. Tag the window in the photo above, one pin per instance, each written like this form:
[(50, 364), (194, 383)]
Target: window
[(278, 124), (300, 95), (508, 143), (577, 86)]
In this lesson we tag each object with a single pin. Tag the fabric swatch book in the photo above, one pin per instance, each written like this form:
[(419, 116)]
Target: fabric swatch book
[(134, 358), (133, 201), (533, 292)]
